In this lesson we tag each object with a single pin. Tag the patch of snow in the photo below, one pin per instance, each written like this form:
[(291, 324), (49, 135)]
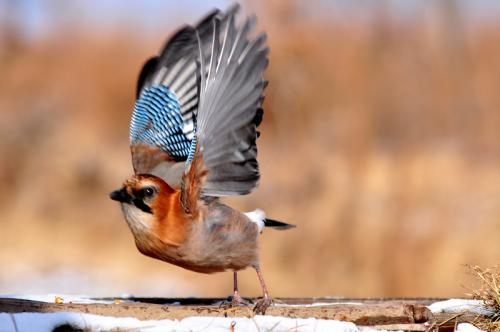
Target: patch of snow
[(371, 329), (24, 322), (455, 306), (467, 327), (50, 298), (76, 299), (267, 323)]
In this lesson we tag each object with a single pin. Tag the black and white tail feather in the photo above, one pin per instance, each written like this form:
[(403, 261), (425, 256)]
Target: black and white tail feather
[(259, 218)]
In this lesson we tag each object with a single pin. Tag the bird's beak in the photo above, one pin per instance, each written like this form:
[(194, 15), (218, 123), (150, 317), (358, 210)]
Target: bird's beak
[(120, 195)]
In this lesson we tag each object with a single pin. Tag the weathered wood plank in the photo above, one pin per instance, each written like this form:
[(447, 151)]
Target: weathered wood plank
[(295, 300), (366, 314)]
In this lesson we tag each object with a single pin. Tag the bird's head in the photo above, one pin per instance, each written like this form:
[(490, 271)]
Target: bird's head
[(142, 198)]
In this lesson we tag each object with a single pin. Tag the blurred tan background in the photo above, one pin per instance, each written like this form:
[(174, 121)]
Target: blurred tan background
[(381, 141)]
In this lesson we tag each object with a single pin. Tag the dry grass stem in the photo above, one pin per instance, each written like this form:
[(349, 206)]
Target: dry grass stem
[(488, 292)]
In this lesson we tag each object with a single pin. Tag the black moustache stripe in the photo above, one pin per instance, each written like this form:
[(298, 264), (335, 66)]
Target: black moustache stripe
[(139, 203)]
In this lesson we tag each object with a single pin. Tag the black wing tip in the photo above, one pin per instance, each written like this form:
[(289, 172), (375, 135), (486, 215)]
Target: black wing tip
[(232, 10), (207, 18), (147, 70), (279, 225), (257, 119), (183, 35), (204, 25)]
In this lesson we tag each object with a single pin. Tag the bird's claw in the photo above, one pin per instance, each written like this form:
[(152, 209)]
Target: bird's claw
[(262, 305), (235, 301)]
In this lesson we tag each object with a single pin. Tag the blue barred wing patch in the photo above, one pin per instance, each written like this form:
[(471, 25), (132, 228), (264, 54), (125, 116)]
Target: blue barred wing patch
[(157, 121)]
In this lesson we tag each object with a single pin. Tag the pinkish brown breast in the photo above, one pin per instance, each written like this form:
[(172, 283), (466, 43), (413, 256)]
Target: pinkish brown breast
[(222, 239)]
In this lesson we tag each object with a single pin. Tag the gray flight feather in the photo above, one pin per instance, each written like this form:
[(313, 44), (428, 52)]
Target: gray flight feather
[(229, 108)]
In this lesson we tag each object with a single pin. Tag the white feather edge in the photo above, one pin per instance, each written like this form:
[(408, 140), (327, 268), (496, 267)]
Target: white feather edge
[(258, 217)]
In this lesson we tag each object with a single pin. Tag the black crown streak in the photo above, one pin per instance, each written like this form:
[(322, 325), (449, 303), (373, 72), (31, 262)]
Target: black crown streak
[(122, 196)]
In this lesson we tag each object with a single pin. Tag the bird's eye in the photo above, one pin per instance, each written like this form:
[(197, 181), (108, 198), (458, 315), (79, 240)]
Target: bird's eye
[(148, 191)]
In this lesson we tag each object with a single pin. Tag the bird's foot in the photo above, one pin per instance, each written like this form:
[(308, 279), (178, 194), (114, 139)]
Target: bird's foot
[(235, 301), (262, 305), (238, 301)]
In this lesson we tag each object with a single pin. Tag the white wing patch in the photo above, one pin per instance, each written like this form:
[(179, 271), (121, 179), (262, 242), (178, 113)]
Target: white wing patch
[(257, 216)]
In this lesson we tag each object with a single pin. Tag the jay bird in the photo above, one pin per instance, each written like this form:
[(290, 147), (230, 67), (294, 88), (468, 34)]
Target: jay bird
[(192, 139)]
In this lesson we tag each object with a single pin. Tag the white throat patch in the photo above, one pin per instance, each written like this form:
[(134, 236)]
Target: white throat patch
[(138, 220)]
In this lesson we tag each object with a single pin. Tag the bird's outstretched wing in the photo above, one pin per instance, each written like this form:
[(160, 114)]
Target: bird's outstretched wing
[(168, 96), (223, 161)]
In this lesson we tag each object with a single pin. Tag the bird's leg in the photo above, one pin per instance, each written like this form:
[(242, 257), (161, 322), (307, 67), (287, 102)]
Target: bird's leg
[(236, 299), (262, 305)]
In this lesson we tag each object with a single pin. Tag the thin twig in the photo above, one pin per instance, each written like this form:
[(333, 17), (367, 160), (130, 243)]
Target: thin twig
[(451, 318)]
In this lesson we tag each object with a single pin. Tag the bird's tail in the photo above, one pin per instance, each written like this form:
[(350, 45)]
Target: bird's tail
[(277, 224)]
